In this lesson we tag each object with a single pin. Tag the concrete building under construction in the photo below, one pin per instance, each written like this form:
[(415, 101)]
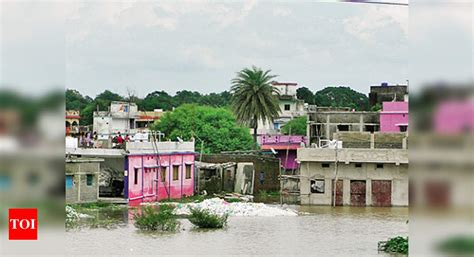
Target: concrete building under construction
[(323, 122)]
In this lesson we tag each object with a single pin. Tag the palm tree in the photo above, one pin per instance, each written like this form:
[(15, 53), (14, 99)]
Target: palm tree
[(254, 98)]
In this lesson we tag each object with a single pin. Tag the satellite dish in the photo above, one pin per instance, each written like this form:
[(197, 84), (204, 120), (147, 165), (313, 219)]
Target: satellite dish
[(180, 140)]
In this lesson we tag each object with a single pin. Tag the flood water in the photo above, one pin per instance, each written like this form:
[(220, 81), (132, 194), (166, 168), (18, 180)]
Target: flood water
[(318, 231)]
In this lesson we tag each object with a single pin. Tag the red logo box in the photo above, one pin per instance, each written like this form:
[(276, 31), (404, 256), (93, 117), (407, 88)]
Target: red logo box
[(23, 224)]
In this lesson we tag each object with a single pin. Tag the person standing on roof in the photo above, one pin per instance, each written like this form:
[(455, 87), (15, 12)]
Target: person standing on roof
[(119, 139)]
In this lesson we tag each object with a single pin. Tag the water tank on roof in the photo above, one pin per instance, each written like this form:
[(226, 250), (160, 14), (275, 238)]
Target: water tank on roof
[(384, 84)]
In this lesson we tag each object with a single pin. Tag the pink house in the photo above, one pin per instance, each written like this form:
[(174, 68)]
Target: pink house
[(164, 170), (394, 117), (285, 148), (454, 117)]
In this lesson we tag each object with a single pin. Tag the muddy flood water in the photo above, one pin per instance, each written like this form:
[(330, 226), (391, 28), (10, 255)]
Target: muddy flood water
[(317, 231)]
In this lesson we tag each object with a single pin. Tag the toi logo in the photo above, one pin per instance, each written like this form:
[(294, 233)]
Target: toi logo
[(23, 224)]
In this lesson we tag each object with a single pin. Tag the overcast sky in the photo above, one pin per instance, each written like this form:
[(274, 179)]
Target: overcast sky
[(172, 46)]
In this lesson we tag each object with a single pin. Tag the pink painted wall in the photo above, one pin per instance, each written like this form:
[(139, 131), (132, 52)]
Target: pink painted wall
[(393, 113), (149, 187), (453, 117), (281, 139), (283, 144), (290, 162)]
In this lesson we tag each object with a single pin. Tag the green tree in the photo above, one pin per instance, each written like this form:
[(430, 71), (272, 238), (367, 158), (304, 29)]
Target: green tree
[(216, 99), (341, 97), (75, 101), (186, 97), (104, 99), (377, 107), (305, 94), (254, 98), (102, 102), (216, 127), (297, 125), (157, 100)]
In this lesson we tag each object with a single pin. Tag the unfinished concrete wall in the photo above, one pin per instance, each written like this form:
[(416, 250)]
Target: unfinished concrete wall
[(354, 139), (379, 94), (325, 124), (269, 166), (372, 140), (389, 140)]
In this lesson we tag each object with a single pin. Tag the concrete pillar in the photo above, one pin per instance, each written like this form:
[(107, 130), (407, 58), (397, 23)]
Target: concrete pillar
[(328, 191), (346, 192), (328, 120), (361, 123), (368, 192), (404, 143), (308, 131), (372, 141)]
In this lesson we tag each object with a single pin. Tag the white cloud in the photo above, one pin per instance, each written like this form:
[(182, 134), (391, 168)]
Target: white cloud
[(143, 14), (201, 55), (281, 12), (365, 26)]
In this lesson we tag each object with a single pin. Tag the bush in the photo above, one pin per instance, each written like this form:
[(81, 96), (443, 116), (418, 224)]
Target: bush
[(205, 219), (458, 245), (394, 245), (161, 219)]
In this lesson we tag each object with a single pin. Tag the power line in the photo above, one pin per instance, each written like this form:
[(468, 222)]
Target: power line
[(376, 2)]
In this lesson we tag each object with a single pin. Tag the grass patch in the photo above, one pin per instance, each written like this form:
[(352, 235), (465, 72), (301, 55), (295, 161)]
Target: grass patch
[(264, 193), (187, 199), (160, 219), (93, 205), (98, 205), (233, 200), (205, 219), (458, 245), (394, 245)]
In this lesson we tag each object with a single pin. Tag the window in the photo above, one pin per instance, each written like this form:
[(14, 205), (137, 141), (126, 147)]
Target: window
[(175, 172), (403, 128), (69, 181), (287, 107), (379, 165), (325, 165), (89, 179), (370, 128), (358, 165), (163, 174), (317, 186), (343, 127), (188, 171), (135, 176)]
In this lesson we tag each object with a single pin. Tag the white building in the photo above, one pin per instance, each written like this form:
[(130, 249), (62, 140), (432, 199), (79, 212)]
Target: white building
[(125, 118), (290, 107)]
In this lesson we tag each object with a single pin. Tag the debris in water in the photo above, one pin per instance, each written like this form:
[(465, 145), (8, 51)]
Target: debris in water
[(220, 207)]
